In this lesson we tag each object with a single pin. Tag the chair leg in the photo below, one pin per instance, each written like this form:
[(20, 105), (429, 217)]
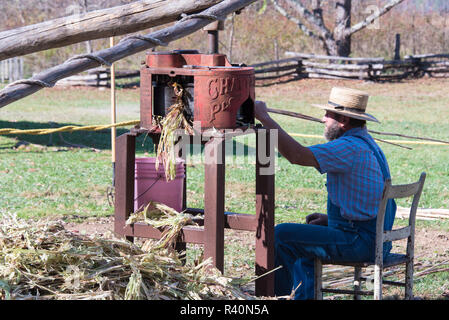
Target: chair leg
[(409, 279), (357, 276), (318, 279), (378, 282)]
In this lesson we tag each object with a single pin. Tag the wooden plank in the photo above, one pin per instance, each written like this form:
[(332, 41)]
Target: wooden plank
[(240, 221), (265, 193), (423, 214), (274, 62), (294, 73), (214, 193), (318, 279), (426, 56), (397, 234), (349, 67), (337, 73), (325, 76), (403, 191), (277, 69), (323, 57), (233, 220), (124, 180)]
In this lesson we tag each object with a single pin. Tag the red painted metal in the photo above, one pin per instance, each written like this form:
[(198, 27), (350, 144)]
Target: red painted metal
[(265, 215), (211, 233), (223, 94)]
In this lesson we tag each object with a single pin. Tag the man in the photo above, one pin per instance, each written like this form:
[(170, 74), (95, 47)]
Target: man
[(356, 170)]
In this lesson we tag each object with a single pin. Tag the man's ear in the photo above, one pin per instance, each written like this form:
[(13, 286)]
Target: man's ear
[(344, 121)]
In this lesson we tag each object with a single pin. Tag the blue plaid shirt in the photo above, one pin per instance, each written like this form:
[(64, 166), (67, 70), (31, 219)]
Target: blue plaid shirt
[(354, 177)]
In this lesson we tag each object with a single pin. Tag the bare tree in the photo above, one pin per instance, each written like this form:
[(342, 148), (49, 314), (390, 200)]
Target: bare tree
[(310, 20), (85, 6)]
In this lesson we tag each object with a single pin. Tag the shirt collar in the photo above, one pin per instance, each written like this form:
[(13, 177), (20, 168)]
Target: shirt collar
[(355, 131)]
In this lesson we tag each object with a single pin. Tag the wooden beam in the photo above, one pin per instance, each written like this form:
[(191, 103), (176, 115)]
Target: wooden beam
[(123, 49), (324, 57), (97, 24)]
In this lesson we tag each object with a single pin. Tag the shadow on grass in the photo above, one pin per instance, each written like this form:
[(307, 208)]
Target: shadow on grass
[(87, 139), (94, 139)]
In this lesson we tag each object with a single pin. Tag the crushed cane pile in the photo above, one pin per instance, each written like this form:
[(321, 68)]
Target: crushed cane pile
[(39, 259)]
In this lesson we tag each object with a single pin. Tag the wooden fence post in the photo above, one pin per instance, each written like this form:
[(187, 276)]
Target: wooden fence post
[(397, 49), (2, 76), (11, 69)]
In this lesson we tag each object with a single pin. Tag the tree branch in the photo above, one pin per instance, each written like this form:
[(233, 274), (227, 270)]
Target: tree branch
[(301, 26), (316, 21), (126, 47), (370, 19), (97, 24)]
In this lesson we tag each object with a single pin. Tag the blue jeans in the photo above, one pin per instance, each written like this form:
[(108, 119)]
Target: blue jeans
[(296, 246)]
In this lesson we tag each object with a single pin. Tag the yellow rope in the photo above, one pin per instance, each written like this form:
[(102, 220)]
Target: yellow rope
[(66, 128), (7, 131)]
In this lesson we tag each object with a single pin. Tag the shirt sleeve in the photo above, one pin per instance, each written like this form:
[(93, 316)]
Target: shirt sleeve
[(335, 156)]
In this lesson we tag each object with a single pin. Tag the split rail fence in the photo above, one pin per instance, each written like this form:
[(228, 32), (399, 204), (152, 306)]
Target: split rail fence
[(305, 66), (101, 77), (11, 69)]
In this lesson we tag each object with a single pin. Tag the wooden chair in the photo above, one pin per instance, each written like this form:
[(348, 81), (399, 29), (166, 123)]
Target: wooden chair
[(390, 191)]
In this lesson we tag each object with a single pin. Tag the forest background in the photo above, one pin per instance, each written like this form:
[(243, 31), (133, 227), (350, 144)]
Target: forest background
[(259, 33)]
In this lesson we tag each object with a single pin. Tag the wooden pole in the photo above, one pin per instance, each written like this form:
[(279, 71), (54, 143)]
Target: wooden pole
[(305, 117), (113, 115), (397, 49), (99, 24), (276, 54), (231, 38), (212, 36), (121, 50)]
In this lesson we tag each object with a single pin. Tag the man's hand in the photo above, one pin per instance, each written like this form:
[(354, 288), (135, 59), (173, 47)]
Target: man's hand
[(291, 149), (260, 111), (317, 219)]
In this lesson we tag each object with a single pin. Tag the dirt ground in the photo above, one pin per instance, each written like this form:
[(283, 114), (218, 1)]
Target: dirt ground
[(431, 244), (428, 242)]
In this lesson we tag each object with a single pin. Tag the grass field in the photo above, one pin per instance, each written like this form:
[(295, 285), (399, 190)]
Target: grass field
[(46, 177)]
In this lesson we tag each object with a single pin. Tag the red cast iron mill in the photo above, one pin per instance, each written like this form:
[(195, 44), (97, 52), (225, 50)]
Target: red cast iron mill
[(219, 95)]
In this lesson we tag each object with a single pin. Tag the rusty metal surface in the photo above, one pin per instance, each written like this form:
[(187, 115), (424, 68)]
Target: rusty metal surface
[(223, 95), (220, 96)]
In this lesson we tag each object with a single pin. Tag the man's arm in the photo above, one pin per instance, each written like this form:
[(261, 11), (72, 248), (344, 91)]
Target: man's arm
[(291, 149)]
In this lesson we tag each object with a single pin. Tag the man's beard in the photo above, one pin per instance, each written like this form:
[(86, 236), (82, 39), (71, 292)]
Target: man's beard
[(333, 132)]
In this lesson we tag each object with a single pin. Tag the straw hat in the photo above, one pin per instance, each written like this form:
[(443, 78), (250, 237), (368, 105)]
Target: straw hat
[(348, 102)]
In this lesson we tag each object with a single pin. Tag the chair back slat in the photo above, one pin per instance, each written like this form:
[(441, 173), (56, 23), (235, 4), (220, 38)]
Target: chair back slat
[(397, 234), (404, 190)]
